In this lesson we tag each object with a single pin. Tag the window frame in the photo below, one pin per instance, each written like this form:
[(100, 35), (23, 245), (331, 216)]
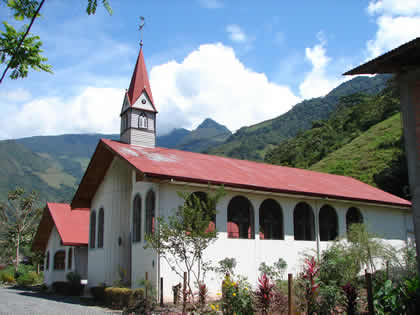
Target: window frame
[(61, 264)]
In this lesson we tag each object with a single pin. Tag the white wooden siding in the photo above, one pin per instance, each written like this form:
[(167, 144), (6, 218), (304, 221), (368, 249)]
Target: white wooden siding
[(113, 195), (53, 246)]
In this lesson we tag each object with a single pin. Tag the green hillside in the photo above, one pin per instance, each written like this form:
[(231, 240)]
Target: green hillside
[(355, 114), (54, 165), (375, 157), (40, 172), (255, 141)]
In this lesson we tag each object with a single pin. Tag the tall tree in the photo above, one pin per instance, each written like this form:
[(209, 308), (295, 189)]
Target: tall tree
[(18, 218), (19, 49)]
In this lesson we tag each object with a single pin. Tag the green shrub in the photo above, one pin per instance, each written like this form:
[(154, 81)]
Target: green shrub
[(7, 277), (236, 297), (117, 297), (27, 279)]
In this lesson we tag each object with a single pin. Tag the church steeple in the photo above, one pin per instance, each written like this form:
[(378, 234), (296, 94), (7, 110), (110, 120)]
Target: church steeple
[(138, 113)]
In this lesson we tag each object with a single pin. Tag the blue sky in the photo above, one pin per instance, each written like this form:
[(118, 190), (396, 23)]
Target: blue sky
[(238, 62)]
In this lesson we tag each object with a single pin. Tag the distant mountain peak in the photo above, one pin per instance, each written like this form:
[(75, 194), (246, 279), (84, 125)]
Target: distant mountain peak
[(210, 123)]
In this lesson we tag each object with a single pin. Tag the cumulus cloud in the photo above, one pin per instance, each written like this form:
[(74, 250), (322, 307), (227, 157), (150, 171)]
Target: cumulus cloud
[(95, 110), (318, 82), (394, 7), (398, 22), (236, 34), (212, 82)]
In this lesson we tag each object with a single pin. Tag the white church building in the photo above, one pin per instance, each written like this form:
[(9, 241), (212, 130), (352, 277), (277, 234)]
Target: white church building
[(268, 212)]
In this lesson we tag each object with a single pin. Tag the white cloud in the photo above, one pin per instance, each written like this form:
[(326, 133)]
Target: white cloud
[(398, 22), (95, 110), (236, 34), (212, 82), (394, 7), (211, 4), (318, 82)]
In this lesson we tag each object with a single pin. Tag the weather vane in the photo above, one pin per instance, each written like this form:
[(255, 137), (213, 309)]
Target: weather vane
[(141, 29)]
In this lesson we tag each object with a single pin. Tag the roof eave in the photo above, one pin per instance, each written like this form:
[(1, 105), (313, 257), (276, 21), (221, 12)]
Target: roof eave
[(281, 191)]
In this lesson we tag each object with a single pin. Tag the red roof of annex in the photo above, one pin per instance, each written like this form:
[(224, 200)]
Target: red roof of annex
[(72, 225), (203, 168)]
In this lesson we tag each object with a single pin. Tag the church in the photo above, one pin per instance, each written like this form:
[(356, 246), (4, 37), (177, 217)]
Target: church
[(268, 212)]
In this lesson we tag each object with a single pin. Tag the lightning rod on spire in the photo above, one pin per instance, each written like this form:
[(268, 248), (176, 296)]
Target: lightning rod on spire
[(142, 23)]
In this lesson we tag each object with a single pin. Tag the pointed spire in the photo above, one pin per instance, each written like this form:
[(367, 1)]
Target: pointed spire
[(140, 82)]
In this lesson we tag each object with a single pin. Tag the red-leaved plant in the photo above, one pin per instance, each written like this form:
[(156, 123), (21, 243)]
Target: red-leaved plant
[(351, 298), (202, 294), (309, 273), (265, 293)]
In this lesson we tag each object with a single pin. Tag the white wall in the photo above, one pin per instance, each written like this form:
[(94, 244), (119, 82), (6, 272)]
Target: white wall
[(143, 260), (388, 223), (113, 195), (54, 245)]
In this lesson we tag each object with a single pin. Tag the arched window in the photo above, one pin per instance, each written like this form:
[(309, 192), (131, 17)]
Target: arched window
[(101, 228), (240, 218), (92, 229), (271, 220), (60, 260), (328, 224), (353, 215), (143, 121), (70, 258), (150, 212), (137, 219), (304, 222), (201, 197), (47, 263)]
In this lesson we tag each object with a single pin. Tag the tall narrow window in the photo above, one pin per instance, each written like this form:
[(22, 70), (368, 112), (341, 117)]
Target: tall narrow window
[(101, 228), (271, 220), (304, 222), (137, 219), (353, 215), (240, 218), (328, 224), (150, 212), (47, 263), (92, 229), (143, 121), (60, 260), (70, 259)]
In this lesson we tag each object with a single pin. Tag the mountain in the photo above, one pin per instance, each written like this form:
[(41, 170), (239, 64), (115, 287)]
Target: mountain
[(355, 114), (255, 141), (172, 139), (207, 135), (54, 165)]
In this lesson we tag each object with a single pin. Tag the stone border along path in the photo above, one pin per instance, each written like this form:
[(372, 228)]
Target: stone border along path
[(22, 302)]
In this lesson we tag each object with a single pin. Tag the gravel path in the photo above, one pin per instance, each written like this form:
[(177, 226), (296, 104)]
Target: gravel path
[(21, 302)]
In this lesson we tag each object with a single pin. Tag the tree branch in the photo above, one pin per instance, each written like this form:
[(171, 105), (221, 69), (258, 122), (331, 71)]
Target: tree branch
[(21, 40)]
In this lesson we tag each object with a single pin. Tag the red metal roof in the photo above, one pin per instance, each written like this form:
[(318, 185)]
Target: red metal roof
[(202, 168), (139, 82), (72, 225)]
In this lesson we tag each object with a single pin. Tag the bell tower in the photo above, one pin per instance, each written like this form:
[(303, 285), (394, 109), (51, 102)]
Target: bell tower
[(138, 113)]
